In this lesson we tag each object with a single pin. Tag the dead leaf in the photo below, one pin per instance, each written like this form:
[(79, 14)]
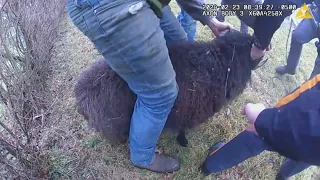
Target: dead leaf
[(159, 150), (167, 176), (228, 112)]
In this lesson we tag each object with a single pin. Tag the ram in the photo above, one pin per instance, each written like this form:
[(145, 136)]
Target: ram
[(209, 75)]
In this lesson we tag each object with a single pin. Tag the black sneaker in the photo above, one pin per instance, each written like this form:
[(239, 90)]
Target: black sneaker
[(213, 148), (283, 70)]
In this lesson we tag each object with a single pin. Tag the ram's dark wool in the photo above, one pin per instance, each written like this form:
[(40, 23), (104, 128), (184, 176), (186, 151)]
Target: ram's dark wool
[(209, 75)]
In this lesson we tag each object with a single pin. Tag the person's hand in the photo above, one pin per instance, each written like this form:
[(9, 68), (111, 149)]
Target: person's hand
[(269, 48), (252, 111), (257, 53), (218, 27)]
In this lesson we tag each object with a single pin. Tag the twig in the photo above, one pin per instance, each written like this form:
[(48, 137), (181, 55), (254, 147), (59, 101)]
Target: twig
[(7, 146), (115, 117), (225, 87), (92, 174), (42, 115), (4, 4), (14, 152), (11, 133), (99, 77)]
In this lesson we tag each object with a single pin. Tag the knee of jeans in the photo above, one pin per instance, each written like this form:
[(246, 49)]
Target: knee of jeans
[(172, 93), (169, 94), (188, 18), (166, 95)]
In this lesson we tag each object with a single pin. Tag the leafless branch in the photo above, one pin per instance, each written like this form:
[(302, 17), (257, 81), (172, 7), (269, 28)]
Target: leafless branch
[(28, 33)]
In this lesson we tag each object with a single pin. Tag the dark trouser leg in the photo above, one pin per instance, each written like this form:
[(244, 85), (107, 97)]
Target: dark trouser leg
[(290, 168), (316, 68), (219, 16), (304, 32), (239, 149), (294, 55)]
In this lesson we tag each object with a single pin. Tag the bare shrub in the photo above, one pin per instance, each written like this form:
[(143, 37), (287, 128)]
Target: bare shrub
[(27, 35)]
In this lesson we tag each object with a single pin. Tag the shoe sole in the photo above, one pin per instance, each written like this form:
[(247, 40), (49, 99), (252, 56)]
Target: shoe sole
[(161, 172)]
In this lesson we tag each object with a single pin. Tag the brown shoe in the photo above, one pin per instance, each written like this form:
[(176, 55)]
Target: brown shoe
[(162, 164)]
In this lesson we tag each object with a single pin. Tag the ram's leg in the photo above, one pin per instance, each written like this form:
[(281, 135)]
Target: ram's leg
[(181, 138)]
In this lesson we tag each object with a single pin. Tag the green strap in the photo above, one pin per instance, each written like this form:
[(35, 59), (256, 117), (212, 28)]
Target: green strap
[(156, 6)]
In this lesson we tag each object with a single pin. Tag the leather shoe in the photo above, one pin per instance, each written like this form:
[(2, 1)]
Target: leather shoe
[(162, 164)]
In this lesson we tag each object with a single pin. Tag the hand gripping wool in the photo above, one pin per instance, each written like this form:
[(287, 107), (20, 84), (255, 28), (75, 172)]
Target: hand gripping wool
[(209, 75)]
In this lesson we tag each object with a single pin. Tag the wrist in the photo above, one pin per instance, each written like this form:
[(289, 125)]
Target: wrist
[(257, 44), (212, 23), (264, 121)]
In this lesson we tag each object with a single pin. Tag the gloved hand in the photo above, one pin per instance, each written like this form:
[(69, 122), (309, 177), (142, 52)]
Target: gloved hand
[(218, 27)]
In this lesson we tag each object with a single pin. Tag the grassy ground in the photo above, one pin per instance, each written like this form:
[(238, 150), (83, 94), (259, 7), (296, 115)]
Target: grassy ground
[(78, 153)]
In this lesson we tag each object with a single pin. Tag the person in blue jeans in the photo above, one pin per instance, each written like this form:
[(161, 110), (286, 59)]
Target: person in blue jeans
[(303, 33), (188, 24), (133, 39), (173, 32)]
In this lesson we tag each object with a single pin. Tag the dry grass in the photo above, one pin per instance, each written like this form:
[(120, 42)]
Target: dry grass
[(78, 153)]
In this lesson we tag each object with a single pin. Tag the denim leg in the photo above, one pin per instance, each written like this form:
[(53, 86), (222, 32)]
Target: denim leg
[(173, 31), (188, 24), (304, 32), (128, 35), (290, 168)]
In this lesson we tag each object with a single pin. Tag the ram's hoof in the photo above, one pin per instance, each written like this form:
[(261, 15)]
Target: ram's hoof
[(182, 140)]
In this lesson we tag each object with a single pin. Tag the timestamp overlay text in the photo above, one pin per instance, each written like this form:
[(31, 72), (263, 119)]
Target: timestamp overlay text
[(246, 9)]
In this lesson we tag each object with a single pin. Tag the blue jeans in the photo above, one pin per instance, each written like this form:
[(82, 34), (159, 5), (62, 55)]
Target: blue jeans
[(173, 31), (303, 33), (188, 23), (128, 35)]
